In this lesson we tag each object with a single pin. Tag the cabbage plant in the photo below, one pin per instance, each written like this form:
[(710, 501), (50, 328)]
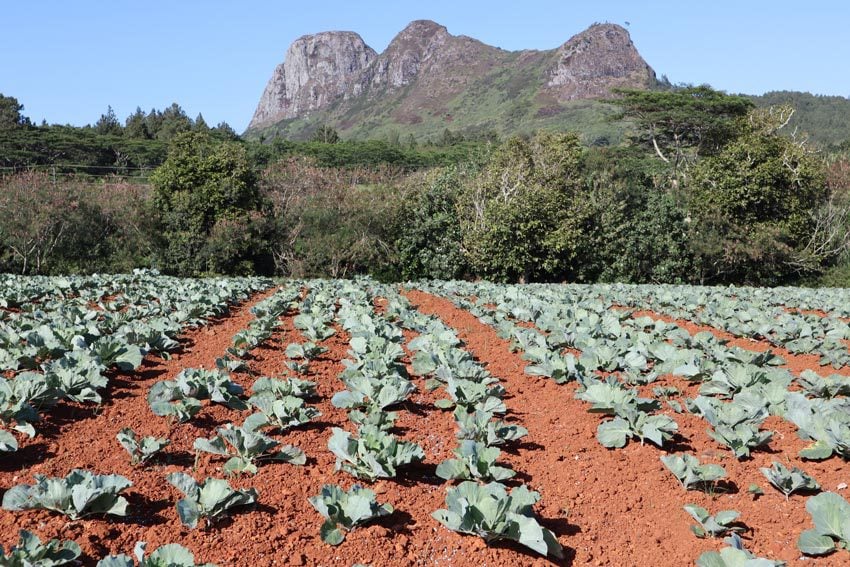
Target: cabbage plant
[(81, 493), (210, 499), (141, 449), (787, 481), (690, 473), (345, 510), (31, 552), (169, 555), (474, 461), (715, 525), (734, 555), (492, 513), (831, 516), (374, 454), (483, 427), (281, 413), (246, 447)]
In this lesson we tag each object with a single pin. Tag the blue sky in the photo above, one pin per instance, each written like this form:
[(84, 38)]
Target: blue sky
[(66, 61)]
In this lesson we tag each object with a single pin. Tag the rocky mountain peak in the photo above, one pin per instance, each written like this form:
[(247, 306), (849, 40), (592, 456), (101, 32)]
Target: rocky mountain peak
[(317, 69), (594, 61), (407, 52), (428, 80)]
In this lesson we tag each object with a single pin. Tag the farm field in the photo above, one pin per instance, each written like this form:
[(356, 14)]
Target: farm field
[(490, 424)]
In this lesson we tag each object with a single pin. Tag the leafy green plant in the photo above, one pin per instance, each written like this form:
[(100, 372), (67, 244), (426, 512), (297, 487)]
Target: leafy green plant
[(488, 511), (209, 500), (735, 555), (30, 552), (657, 428), (307, 351), (825, 422), (277, 388), (741, 438), (346, 510), (373, 393), (282, 413), (482, 427), (690, 473), (81, 493), (113, 351), (475, 461), (611, 398), (196, 383), (169, 555), (736, 423), (473, 395), (788, 481), (227, 364), (715, 526), (831, 516), (374, 454), (549, 364), (77, 375), (179, 411), (141, 450), (383, 420), (246, 447), (824, 386)]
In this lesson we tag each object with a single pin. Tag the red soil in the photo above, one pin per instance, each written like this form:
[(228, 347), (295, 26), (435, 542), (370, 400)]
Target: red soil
[(624, 507), (607, 507)]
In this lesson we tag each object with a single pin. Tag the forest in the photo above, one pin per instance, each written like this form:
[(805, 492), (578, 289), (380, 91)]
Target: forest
[(707, 188)]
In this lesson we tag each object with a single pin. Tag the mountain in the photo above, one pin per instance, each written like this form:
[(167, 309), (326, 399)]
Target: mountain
[(428, 80)]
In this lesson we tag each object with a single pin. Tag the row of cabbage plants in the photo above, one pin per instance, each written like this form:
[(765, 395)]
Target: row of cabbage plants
[(738, 389)]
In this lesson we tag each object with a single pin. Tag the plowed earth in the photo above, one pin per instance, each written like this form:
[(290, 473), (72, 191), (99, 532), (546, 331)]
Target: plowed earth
[(619, 507)]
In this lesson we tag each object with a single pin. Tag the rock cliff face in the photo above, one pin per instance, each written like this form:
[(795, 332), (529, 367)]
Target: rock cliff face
[(317, 70), (596, 60), (428, 79)]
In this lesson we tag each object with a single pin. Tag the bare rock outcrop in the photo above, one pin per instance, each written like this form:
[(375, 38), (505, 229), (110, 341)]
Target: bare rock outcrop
[(598, 59), (317, 70)]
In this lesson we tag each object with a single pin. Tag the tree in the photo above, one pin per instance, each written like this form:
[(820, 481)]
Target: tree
[(520, 218), (207, 188), (170, 122), (332, 222), (429, 238), (683, 123), (752, 207), (10, 113), (200, 124), (108, 123), (325, 134), (136, 126)]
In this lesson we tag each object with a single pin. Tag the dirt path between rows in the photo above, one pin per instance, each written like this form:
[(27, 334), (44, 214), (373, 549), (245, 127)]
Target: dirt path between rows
[(622, 507)]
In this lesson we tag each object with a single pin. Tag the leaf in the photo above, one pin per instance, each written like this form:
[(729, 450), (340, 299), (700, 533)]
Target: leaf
[(613, 433), (330, 534), (452, 469), (811, 542), (830, 512), (188, 512)]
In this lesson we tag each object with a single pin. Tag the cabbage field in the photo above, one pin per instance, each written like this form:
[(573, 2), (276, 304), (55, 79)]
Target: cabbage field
[(149, 420)]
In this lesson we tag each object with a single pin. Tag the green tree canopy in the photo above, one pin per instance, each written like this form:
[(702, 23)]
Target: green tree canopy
[(520, 218), (683, 123), (205, 188), (753, 205)]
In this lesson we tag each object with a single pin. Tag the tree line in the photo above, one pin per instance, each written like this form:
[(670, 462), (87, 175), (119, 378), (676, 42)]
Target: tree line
[(707, 189)]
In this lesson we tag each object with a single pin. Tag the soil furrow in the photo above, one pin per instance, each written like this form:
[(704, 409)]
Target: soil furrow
[(622, 507)]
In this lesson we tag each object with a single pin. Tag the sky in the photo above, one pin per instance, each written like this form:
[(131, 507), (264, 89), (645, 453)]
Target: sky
[(66, 62)]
